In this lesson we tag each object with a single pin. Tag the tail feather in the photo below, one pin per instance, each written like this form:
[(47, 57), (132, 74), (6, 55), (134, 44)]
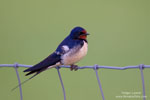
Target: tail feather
[(30, 73), (24, 81), (42, 66), (36, 71)]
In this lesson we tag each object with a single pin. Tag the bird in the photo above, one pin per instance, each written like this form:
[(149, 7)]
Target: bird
[(71, 50)]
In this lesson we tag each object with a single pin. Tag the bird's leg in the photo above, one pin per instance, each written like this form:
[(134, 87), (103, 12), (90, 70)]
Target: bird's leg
[(74, 67)]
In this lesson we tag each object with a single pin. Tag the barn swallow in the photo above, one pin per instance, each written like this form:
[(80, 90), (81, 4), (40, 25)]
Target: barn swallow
[(71, 50)]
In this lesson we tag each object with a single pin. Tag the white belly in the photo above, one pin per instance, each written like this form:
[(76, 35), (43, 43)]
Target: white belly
[(72, 56)]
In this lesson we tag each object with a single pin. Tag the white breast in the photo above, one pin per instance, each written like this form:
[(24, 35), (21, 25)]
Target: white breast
[(74, 56)]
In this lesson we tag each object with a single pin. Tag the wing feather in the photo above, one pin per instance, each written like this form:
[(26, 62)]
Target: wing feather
[(49, 61)]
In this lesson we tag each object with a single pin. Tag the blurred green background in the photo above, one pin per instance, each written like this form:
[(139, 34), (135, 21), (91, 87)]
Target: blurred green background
[(120, 36)]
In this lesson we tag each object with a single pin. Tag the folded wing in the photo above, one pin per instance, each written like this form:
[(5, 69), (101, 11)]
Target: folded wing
[(43, 65)]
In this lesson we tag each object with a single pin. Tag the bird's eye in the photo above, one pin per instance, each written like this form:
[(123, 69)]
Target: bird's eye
[(81, 33)]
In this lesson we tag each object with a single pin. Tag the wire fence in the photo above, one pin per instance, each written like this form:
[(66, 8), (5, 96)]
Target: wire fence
[(95, 67)]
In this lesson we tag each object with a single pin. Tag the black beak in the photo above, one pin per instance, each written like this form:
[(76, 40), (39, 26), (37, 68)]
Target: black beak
[(85, 34)]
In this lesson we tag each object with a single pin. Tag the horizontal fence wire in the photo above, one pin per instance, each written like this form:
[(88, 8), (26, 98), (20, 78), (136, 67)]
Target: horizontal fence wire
[(95, 67)]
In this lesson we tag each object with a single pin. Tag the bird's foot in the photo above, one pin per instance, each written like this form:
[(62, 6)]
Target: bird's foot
[(74, 67)]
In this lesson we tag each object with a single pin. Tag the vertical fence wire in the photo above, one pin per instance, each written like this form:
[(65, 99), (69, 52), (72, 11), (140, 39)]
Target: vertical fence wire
[(62, 85), (99, 83), (142, 78), (19, 81)]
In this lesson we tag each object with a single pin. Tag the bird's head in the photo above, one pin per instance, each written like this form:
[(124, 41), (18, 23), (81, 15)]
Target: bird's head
[(78, 33)]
